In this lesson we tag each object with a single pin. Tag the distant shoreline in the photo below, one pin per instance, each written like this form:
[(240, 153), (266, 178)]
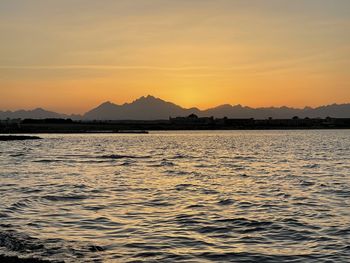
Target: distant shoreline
[(17, 134), (191, 123)]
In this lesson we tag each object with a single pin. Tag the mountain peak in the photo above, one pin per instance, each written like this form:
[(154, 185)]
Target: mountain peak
[(106, 103), (147, 98), (150, 97), (39, 110)]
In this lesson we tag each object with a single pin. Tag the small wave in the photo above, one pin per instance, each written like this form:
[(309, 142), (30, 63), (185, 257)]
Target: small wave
[(94, 248), (167, 163), (2, 215), (87, 158), (306, 183), (182, 156), (176, 172), (205, 165), (65, 198), (181, 187), (186, 220), (213, 229), (6, 225), (245, 204), (17, 155), (158, 202), (240, 157), (20, 247), (20, 205), (256, 257), (142, 245), (226, 202), (127, 163), (68, 161), (48, 161), (8, 185), (338, 231), (341, 193), (15, 259), (195, 206), (27, 190), (163, 163), (297, 223), (210, 192), (148, 254), (118, 156), (244, 222), (14, 241), (94, 207), (241, 228), (311, 166)]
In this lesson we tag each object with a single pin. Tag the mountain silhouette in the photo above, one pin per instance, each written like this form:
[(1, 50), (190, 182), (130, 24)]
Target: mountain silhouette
[(144, 108), (152, 108), (38, 113)]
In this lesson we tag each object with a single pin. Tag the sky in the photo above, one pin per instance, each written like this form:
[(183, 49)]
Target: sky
[(71, 55)]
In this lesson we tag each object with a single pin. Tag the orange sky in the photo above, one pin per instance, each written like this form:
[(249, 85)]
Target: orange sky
[(70, 56)]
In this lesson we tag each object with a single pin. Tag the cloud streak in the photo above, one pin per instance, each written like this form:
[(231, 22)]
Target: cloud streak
[(260, 68)]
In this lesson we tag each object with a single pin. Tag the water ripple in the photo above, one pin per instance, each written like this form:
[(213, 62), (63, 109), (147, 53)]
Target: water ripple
[(235, 196)]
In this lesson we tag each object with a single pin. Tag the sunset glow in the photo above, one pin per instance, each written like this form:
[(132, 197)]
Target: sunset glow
[(69, 56)]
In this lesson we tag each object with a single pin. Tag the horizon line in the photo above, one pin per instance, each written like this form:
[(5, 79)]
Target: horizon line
[(187, 108)]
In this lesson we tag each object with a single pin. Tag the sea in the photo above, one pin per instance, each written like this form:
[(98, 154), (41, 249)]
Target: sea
[(184, 196)]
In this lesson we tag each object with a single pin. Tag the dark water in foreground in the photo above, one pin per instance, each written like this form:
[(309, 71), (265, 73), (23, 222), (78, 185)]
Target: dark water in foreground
[(241, 196)]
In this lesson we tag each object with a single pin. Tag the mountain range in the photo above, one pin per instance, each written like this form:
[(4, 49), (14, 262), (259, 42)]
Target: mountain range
[(152, 108)]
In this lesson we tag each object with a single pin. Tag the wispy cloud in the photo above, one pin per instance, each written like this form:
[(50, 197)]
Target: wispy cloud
[(250, 68), (105, 67)]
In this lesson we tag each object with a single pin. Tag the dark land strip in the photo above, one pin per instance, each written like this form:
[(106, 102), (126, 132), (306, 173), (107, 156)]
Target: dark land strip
[(192, 122)]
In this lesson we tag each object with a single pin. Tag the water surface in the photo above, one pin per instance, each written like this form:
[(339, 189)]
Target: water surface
[(238, 196)]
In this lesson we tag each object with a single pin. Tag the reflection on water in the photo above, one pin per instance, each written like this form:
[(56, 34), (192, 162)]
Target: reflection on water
[(237, 196)]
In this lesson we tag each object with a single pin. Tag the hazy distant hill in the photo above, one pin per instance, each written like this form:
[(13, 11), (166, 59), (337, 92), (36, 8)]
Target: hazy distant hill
[(151, 108), (30, 114), (38, 113), (238, 111)]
